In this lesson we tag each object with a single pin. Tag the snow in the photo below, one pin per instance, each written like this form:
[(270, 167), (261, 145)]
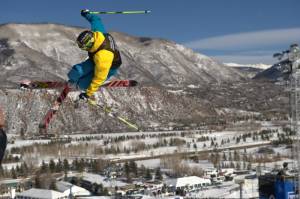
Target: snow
[(236, 111), (203, 164), (189, 181), (21, 143), (229, 190), (259, 66), (152, 164), (94, 178), (9, 166), (176, 91), (40, 193), (96, 197), (193, 86)]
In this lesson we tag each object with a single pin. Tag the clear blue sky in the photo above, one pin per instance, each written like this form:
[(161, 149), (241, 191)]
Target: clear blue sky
[(217, 28)]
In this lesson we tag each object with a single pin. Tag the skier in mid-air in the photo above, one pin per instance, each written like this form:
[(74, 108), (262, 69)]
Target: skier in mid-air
[(3, 138), (104, 57), (103, 61)]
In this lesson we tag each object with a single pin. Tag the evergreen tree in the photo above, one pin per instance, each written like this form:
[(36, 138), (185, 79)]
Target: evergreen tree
[(53, 185), (52, 166), (249, 166), (26, 169), (18, 170), (95, 188), (37, 181), (212, 143), (81, 165), (59, 166), (13, 173), (142, 170), (195, 146), (133, 167), (104, 192), (236, 156), (158, 175), (224, 157), (66, 165), (148, 175), (101, 191), (2, 172), (126, 169), (44, 167)]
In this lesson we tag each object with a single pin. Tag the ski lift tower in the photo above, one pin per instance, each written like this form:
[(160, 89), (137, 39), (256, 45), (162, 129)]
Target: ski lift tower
[(294, 58), (291, 66)]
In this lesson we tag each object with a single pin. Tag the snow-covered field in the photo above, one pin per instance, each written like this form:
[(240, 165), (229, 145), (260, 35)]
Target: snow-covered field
[(22, 143), (158, 143)]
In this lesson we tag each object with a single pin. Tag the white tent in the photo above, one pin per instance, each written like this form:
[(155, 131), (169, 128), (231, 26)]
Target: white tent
[(190, 182), (40, 193), (67, 188)]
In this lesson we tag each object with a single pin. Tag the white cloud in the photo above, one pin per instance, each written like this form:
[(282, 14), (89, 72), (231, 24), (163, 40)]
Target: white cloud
[(248, 40)]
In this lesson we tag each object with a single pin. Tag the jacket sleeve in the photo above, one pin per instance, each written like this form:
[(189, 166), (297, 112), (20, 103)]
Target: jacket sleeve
[(96, 22), (103, 61)]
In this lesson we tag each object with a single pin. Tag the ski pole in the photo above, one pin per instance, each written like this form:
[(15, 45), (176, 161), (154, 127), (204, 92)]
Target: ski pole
[(121, 12), (113, 115)]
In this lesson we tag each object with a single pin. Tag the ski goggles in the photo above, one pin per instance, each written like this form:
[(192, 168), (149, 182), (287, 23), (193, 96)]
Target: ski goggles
[(86, 44)]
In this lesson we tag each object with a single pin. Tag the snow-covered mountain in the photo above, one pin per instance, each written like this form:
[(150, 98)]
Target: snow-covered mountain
[(277, 73), (178, 87), (248, 70), (257, 66), (47, 52)]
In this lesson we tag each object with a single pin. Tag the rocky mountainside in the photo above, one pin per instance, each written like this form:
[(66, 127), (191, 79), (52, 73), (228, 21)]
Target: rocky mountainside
[(277, 72), (178, 87)]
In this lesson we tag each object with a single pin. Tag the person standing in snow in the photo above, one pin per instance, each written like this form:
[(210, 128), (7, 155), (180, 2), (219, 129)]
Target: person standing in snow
[(3, 138), (104, 57)]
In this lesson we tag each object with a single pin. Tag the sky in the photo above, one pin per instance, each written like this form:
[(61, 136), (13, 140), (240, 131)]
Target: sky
[(240, 31)]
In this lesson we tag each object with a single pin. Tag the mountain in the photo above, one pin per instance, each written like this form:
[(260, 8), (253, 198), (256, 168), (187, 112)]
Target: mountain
[(47, 52), (249, 70), (278, 72), (178, 87)]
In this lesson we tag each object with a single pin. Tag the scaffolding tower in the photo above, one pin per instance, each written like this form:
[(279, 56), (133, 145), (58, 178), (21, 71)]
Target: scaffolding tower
[(291, 66)]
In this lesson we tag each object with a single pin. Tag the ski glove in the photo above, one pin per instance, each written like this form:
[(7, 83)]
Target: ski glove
[(84, 12), (83, 96)]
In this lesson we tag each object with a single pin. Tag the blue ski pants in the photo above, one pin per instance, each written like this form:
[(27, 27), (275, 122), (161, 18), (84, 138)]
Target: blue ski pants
[(82, 74)]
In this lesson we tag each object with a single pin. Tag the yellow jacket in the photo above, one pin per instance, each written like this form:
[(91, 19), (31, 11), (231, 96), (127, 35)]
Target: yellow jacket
[(103, 61)]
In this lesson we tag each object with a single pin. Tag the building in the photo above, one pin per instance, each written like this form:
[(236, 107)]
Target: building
[(211, 172), (10, 186), (64, 191), (88, 179), (41, 194), (69, 189), (191, 183)]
